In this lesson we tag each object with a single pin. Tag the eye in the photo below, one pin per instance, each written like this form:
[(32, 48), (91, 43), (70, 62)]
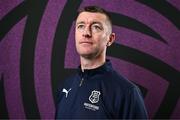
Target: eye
[(80, 26), (96, 28)]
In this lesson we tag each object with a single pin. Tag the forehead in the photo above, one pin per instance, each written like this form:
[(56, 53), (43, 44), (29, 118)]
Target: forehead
[(89, 17)]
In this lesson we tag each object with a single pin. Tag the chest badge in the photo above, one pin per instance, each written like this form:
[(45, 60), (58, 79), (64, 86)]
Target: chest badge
[(94, 97)]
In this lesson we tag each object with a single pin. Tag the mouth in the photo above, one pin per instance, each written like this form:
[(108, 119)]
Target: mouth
[(86, 42)]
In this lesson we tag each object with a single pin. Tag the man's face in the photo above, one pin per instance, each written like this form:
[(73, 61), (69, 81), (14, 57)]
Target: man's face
[(91, 34)]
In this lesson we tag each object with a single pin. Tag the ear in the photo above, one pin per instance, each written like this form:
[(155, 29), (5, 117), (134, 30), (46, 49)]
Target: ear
[(111, 39)]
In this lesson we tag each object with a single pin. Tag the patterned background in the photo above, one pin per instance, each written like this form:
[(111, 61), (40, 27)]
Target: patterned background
[(37, 52)]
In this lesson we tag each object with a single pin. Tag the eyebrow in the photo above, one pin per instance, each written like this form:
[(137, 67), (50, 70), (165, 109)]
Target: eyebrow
[(82, 22), (97, 23)]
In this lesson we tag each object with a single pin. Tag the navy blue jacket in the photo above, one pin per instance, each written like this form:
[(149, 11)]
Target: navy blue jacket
[(99, 93)]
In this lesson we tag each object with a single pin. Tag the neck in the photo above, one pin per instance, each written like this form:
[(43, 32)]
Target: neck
[(92, 63)]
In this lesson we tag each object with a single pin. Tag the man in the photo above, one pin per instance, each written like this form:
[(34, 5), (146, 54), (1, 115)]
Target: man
[(97, 90)]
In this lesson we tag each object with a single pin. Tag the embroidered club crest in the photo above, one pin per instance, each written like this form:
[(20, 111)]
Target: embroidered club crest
[(94, 97)]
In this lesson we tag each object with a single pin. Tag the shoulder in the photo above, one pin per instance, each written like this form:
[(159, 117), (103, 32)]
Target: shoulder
[(118, 82)]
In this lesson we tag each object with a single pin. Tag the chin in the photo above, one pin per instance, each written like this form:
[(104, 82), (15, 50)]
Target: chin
[(87, 55), (85, 52)]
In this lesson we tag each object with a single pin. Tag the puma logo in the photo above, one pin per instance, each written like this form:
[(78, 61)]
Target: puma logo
[(65, 91)]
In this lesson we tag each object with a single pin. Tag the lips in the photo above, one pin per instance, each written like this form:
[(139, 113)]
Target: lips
[(85, 42)]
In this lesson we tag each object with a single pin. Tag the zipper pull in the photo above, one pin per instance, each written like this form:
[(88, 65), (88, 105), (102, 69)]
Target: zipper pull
[(81, 82)]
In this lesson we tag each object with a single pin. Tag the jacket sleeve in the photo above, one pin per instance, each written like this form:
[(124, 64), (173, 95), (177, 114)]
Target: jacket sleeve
[(134, 107)]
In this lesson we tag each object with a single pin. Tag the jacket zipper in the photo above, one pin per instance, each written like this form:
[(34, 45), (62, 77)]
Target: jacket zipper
[(81, 82)]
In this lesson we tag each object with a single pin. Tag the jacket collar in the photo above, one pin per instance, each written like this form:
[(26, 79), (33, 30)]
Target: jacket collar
[(107, 66)]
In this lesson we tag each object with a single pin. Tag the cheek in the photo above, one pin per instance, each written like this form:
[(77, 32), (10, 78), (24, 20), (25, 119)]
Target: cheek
[(102, 40), (77, 36)]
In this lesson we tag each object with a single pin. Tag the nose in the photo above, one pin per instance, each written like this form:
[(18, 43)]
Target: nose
[(87, 32)]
